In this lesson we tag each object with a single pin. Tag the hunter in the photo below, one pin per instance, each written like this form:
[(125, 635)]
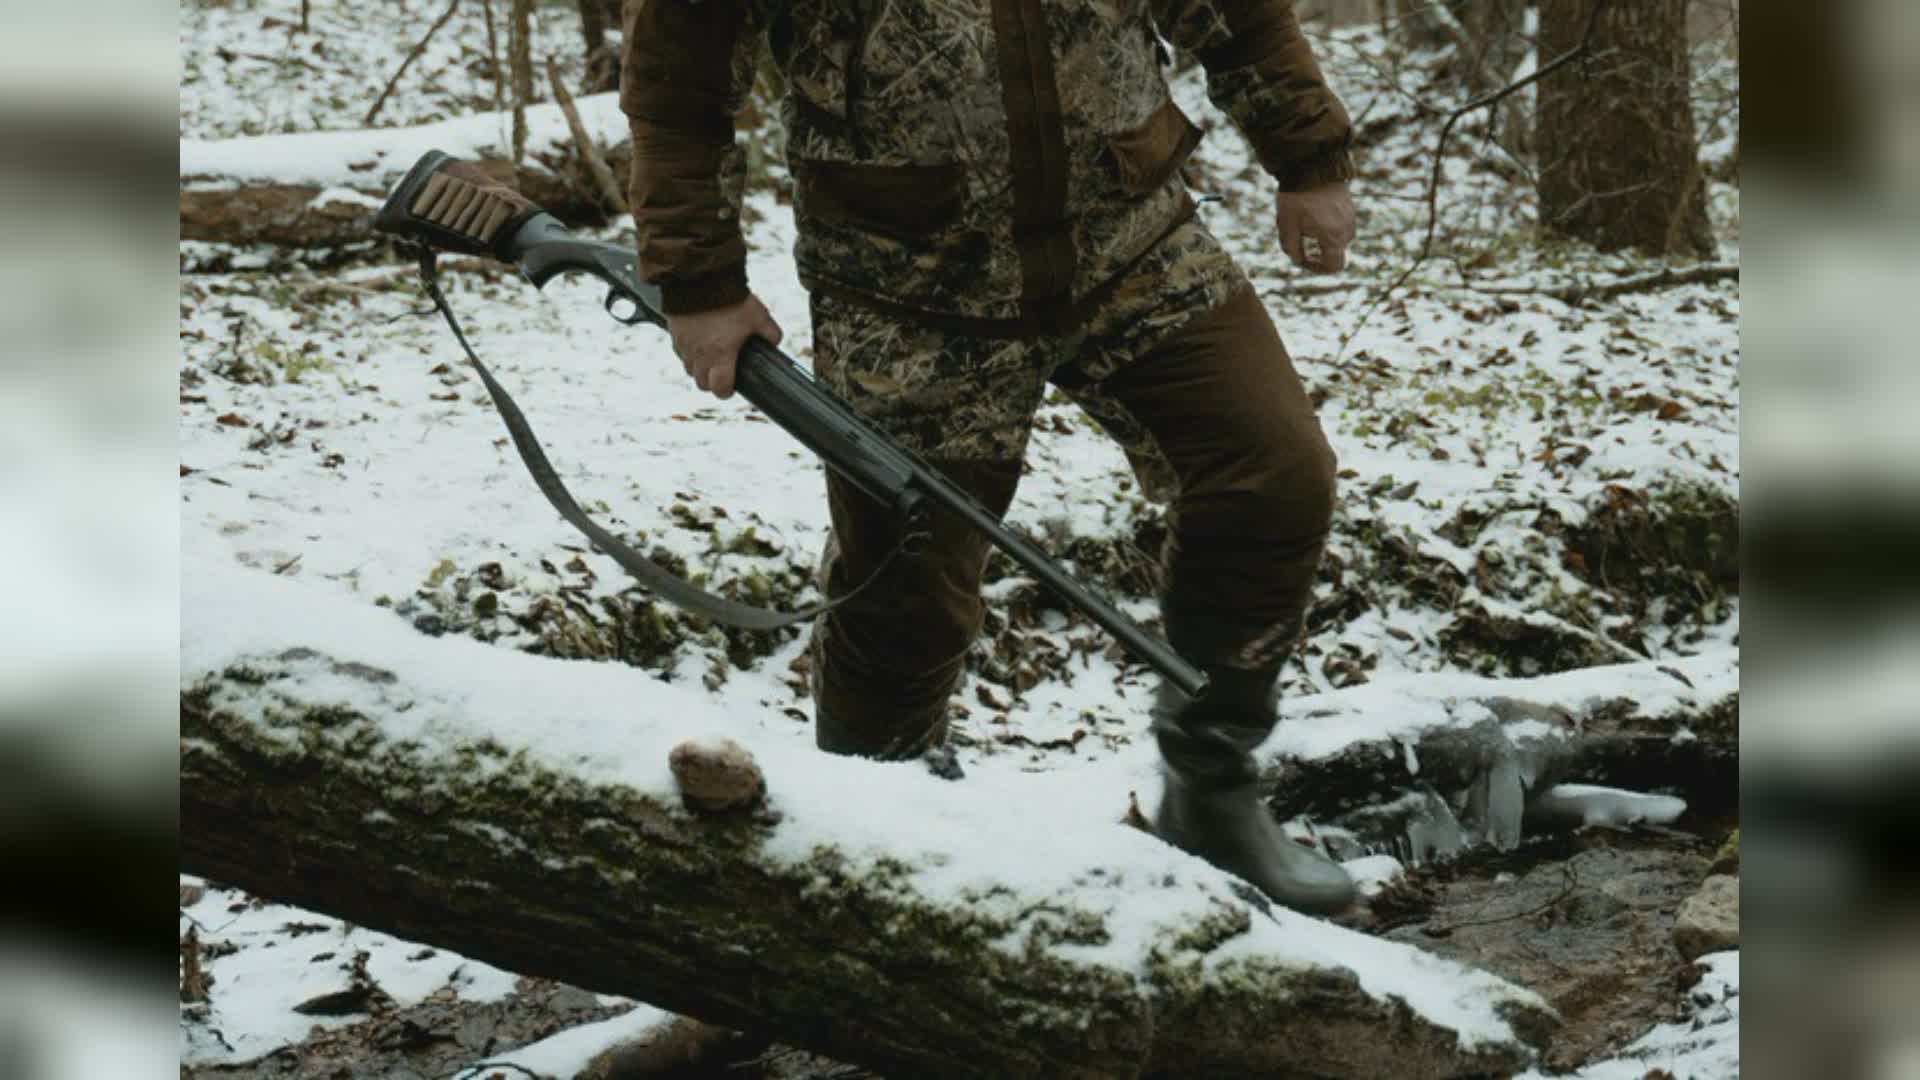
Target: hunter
[(989, 201)]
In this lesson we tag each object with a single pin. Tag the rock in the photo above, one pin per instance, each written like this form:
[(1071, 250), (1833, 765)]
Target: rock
[(1709, 920), (716, 774)]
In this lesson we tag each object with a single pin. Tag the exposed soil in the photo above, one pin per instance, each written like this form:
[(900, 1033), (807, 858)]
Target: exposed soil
[(1584, 920)]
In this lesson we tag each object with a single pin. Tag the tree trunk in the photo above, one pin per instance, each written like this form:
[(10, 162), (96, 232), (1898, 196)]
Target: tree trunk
[(493, 58), (593, 26), (602, 64), (1619, 166), (520, 65), (435, 797)]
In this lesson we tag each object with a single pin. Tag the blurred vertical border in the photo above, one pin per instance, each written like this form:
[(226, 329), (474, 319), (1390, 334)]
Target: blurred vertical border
[(88, 539), (1831, 487)]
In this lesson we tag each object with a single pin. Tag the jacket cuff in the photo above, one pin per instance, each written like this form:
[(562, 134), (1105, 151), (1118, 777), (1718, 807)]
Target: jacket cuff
[(704, 293), (1334, 164)]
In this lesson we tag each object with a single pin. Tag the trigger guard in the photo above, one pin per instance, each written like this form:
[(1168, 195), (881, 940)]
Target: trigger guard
[(637, 315)]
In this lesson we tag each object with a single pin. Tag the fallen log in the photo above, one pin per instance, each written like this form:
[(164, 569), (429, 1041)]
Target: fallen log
[(319, 189), (1670, 728), (524, 812)]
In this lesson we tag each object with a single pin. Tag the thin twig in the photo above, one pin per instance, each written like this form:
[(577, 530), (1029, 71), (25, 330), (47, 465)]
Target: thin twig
[(1440, 158), (1665, 277), (418, 48), (1572, 882), (227, 54), (1291, 288), (1486, 101), (1573, 293), (589, 153)]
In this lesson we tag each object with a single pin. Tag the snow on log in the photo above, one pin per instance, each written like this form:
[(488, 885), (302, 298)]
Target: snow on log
[(523, 811), (319, 189)]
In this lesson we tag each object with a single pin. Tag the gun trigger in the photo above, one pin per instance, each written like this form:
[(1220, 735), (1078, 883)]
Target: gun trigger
[(627, 315)]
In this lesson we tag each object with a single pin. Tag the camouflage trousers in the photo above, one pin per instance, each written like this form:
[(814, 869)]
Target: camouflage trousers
[(1183, 367)]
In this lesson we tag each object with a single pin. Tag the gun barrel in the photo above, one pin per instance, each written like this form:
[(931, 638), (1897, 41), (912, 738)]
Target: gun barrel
[(1153, 651), (844, 440)]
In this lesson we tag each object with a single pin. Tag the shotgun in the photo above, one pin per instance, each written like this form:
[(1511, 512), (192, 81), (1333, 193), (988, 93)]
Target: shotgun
[(443, 204)]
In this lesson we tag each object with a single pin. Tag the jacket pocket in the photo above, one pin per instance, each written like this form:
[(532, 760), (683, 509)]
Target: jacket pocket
[(904, 201), (1146, 156)]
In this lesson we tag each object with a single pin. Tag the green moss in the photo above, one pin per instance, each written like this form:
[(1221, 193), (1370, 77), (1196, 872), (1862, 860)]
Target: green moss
[(1228, 921), (1680, 538), (441, 571), (293, 365), (693, 888), (1727, 859), (749, 542)]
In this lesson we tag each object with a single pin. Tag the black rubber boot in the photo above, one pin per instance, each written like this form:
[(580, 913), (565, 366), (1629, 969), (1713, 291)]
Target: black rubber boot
[(1212, 806)]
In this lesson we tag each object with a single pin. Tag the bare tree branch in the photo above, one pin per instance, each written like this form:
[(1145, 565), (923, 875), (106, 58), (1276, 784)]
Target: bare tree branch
[(590, 155), (1440, 155), (418, 48), (1664, 278)]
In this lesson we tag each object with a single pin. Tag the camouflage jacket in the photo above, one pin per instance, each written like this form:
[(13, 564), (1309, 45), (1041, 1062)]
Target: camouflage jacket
[(987, 163)]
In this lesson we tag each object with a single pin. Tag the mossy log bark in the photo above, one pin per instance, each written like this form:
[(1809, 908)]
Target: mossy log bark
[(490, 850)]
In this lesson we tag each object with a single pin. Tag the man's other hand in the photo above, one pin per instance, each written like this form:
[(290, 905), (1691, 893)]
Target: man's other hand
[(709, 341), (1316, 226)]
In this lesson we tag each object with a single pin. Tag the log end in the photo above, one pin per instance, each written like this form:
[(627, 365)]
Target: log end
[(716, 775)]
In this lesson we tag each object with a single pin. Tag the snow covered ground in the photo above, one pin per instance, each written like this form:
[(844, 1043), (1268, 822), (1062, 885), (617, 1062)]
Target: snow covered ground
[(248, 69), (330, 436)]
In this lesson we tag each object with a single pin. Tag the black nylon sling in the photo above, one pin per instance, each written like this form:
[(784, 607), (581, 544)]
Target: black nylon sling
[(656, 578)]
